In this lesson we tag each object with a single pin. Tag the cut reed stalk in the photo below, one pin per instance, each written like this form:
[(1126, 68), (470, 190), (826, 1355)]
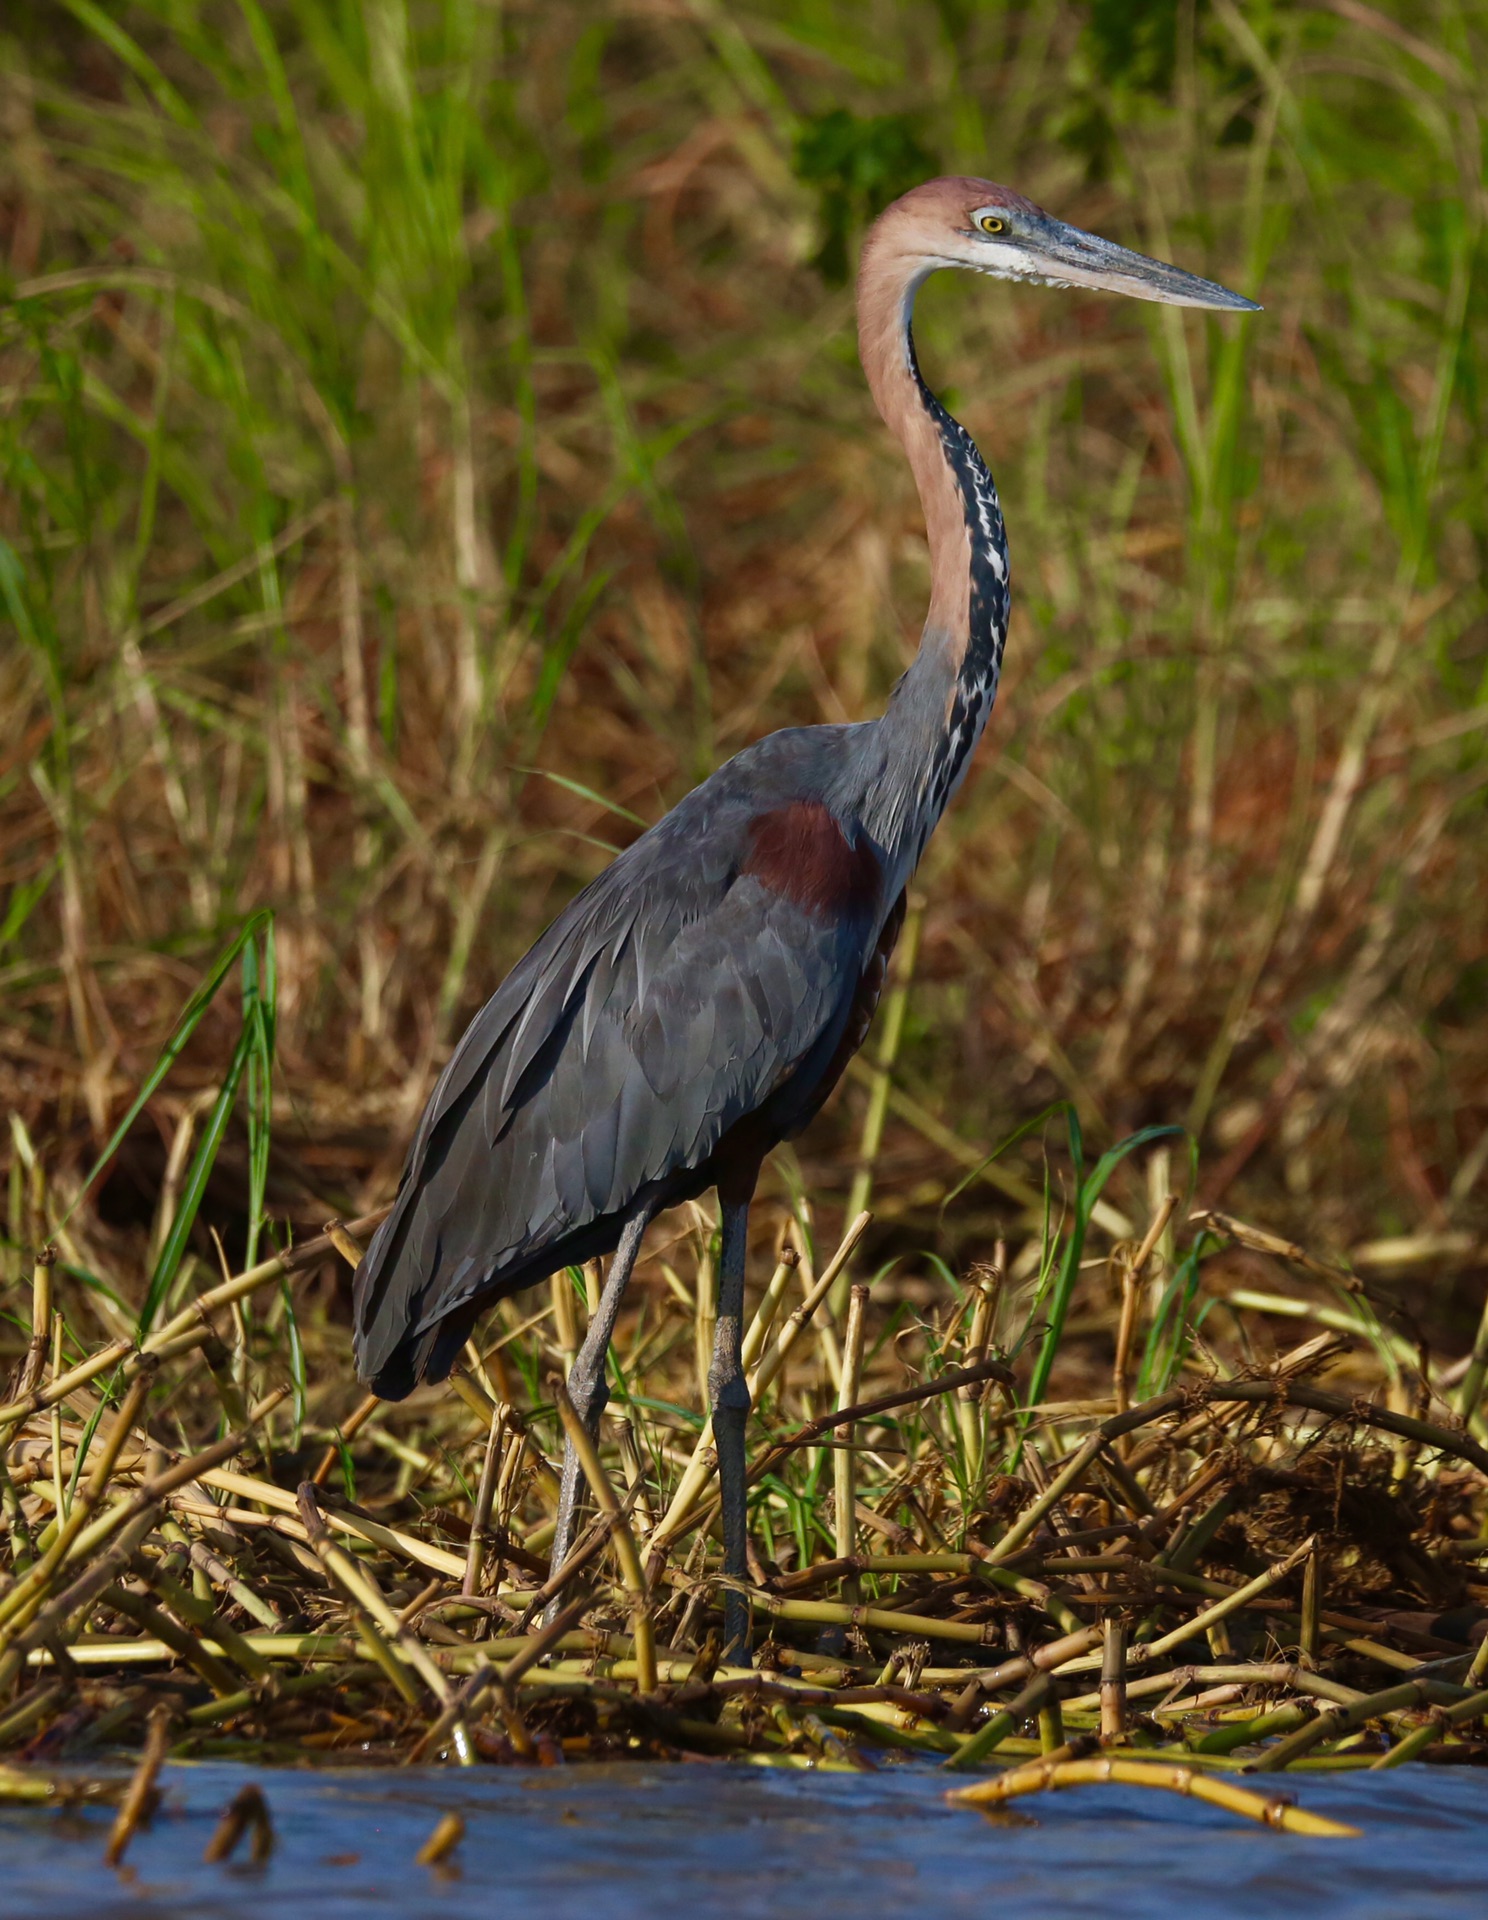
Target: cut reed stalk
[(34, 1364), (139, 1799), (1113, 1680), (626, 1551), (1053, 1774), (844, 1475), (247, 1812)]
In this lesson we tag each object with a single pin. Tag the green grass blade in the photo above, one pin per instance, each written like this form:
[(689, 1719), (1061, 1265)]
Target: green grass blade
[(187, 1025), (194, 1186), (1074, 1247)]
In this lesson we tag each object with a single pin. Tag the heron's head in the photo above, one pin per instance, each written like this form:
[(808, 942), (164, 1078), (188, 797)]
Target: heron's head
[(973, 223)]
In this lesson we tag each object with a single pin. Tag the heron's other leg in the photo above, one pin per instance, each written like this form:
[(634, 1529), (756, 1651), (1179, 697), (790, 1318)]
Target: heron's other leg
[(587, 1386), (730, 1396)]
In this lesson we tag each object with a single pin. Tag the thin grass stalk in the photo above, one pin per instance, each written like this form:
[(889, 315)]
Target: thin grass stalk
[(824, 1331), (62, 1618), (705, 1319), (34, 1365), (891, 1036), (946, 1383), (968, 1403), (218, 1573), (176, 1161), (22, 1547), (1133, 1271), (765, 1314), (348, 1431), (1301, 1393), (406, 1546), (38, 1705), (554, 1635), (844, 1473), (836, 1613), (1246, 1733), (1312, 1604), (626, 1551), (590, 1544), (1269, 1674), (480, 1517), (635, 1472), (59, 1330), (565, 1320)]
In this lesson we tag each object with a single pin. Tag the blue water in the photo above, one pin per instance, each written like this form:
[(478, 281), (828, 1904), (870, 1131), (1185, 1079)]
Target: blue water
[(623, 1843)]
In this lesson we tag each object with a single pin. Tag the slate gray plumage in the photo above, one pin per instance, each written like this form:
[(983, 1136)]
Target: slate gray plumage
[(698, 1001), (671, 998)]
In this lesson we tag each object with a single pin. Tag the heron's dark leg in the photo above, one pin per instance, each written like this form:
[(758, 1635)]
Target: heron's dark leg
[(730, 1396), (587, 1386)]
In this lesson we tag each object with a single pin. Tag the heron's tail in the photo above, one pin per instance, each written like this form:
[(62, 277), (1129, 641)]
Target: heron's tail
[(399, 1272)]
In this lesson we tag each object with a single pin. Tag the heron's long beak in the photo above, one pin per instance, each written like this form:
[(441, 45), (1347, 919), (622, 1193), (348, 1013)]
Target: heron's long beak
[(1085, 260)]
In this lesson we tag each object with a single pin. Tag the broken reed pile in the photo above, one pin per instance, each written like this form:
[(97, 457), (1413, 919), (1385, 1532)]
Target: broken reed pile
[(431, 440), (1230, 1558)]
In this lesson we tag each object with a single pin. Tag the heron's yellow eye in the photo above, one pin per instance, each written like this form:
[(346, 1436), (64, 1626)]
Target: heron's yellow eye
[(989, 223)]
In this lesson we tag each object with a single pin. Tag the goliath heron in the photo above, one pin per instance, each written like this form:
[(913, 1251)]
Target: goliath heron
[(696, 1003)]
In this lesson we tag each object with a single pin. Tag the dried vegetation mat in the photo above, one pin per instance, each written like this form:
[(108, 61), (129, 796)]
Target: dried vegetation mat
[(1235, 1558)]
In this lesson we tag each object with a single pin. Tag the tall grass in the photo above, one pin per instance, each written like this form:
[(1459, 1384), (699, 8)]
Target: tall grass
[(432, 440)]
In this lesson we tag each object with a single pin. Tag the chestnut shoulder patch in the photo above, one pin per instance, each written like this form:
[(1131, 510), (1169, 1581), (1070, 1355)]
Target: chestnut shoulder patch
[(801, 852)]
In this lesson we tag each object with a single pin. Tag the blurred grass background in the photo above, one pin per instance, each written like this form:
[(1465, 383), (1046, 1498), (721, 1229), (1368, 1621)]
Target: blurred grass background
[(432, 440)]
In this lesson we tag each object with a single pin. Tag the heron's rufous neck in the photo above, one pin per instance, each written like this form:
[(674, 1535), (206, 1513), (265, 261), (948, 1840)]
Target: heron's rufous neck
[(940, 707), (888, 279)]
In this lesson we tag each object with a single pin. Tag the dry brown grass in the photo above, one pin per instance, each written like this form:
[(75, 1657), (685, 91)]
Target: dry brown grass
[(386, 568)]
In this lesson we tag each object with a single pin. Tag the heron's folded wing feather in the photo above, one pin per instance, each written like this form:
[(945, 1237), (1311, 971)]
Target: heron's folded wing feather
[(624, 1046)]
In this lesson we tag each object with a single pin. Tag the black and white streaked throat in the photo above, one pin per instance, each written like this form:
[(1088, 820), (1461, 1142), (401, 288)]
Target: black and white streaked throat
[(989, 600)]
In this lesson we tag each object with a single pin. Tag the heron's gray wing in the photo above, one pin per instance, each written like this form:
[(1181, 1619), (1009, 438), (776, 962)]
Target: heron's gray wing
[(669, 1000)]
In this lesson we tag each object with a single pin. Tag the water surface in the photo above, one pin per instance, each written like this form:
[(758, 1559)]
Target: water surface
[(681, 1842)]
